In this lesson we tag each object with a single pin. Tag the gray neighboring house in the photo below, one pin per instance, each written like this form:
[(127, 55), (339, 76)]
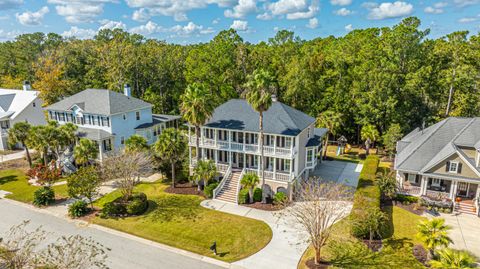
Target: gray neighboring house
[(292, 146), (109, 118), (442, 162)]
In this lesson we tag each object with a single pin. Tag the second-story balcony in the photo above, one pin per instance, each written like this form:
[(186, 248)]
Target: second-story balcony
[(242, 147)]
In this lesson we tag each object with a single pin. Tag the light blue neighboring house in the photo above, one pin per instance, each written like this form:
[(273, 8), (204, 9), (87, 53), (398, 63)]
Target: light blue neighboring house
[(109, 118)]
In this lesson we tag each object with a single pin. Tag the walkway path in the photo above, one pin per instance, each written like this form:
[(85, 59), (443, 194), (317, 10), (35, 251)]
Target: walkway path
[(340, 171), (13, 156), (288, 242), (126, 251)]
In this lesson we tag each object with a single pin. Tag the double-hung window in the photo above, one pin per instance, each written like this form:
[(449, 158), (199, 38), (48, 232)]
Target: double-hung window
[(453, 167)]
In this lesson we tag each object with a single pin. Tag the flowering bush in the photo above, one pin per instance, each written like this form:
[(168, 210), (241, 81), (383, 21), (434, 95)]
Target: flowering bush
[(45, 175)]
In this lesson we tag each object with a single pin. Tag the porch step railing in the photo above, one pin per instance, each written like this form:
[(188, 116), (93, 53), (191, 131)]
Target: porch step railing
[(226, 177), (239, 184)]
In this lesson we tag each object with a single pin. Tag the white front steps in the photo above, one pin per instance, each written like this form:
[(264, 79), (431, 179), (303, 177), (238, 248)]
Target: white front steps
[(229, 191)]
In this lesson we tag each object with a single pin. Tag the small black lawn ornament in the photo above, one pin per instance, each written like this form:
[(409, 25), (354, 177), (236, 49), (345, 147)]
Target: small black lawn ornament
[(342, 141), (214, 248)]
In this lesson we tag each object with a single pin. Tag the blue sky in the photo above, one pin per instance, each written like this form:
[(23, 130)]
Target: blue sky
[(192, 21)]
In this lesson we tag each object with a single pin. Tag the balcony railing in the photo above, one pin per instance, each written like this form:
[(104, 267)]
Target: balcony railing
[(221, 167), (240, 147), (279, 176)]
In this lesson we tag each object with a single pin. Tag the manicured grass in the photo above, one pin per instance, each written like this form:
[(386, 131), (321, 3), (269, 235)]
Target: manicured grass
[(180, 221), (16, 182), (354, 155), (344, 251)]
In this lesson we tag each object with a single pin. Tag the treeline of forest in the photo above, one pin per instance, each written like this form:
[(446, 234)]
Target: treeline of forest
[(377, 76)]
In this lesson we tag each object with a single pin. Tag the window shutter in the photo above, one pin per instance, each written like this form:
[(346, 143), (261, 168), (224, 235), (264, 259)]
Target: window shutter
[(459, 168), (447, 167)]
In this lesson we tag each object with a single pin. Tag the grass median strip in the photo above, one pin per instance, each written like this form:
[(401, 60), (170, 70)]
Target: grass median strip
[(180, 221)]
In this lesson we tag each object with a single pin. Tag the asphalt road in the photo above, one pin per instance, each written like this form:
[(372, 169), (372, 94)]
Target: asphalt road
[(124, 252)]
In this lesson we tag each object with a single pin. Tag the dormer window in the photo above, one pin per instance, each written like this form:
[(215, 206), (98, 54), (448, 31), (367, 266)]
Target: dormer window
[(137, 115), (453, 167)]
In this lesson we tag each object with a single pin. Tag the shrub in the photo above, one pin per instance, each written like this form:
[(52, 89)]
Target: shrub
[(279, 198), (257, 195), (243, 196), (77, 209), (137, 207), (367, 195), (43, 196), (112, 209), (139, 196), (436, 204), (406, 198), (208, 190)]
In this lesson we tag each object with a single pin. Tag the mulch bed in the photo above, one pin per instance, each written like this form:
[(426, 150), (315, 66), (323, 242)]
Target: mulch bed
[(420, 254), (375, 245), (311, 264), (266, 207), (413, 208), (184, 188)]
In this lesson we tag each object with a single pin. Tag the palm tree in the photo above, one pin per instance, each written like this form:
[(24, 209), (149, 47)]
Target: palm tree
[(170, 147), (136, 143), (453, 259), (85, 151), (19, 134), (249, 181), (374, 221), (387, 185), (370, 134), (197, 105), (259, 95), (434, 234), (332, 121), (206, 171), (38, 139)]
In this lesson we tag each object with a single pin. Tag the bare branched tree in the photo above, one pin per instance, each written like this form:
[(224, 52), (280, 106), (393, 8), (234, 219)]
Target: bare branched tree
[(17, 249), (126, 167), (75, 252), (319, 204)]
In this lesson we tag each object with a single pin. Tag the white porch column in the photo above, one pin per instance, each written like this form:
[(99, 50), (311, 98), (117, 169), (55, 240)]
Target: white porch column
[(423, 186), (453, 190), (100, 150), (215, 137), (274, 144), (274, 168), (230, 158), (190, 155), (291, 145), (215, 153), (230, 139)]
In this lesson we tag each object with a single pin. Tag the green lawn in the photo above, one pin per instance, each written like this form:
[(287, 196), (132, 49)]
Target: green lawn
[(353, 155), (180, 221), (16, 182), (344, 251)]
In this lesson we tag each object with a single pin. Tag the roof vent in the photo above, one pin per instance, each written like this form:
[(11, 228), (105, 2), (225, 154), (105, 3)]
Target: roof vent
[(127, 90), (274, 98), (26, 85)]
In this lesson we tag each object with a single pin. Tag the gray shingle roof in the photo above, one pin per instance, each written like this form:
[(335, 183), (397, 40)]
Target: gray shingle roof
[(237, 114), (420, 150), (99, 101), (158, 118), (92, 134)]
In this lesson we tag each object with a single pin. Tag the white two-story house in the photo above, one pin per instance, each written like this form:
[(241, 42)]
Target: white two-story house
[(109, 118), (19, 106), (230, 138)]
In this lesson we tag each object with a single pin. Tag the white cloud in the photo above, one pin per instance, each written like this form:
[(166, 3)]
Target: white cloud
[(468, 19), (79, 33), (216, 21), (176, 8), (177, 30), (32, 18), (340, 2), (141, 15), (312, 10), (343, 12), (265, 16), (239, 25), (8, 35), (243, 8), (436, 8), (312, 23), (287, 6), (463, 3), (291, 9), (390, 10), (108, 24), (80, 11), (348, 27), (146, 29), (9, 4)]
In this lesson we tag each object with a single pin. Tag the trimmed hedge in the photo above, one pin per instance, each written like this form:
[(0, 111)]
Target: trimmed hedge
[(78, 209), (243, 196), (208, 190), (402, 198), (44, 196), (257, 195), (137, 204), (279, 198), (367, 195)]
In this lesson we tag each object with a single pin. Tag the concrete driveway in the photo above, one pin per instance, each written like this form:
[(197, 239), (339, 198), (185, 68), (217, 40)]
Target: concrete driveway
[(341, 172), (465, 231)]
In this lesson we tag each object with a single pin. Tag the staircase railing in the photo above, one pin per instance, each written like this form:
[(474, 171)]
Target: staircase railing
[(226, 175), (238, 184)]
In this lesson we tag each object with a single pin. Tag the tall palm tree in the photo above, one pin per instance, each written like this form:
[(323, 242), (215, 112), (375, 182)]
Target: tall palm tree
[(453, 259), (38, 139), (197, 105), (332, 121), (260, 86), (85, 151), (434, 234), (19, 134), (170, 147), (249, 181), (370, 134), (206, 171)]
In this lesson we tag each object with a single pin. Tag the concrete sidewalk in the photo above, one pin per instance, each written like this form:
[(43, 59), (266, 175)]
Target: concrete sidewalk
[(288, 242), (14, 156), (342, 172)]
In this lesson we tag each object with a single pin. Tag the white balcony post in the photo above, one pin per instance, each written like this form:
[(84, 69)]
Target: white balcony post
[(215, 152), (202, 135), (230, 158), (275, 144), (453, 189), (230, 139), (423, 186), (274, 168), (215, 137), (291, 145), (190, 155), (189, 135)]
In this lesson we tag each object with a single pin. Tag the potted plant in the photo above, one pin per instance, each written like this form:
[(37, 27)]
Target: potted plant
[(458, 199)]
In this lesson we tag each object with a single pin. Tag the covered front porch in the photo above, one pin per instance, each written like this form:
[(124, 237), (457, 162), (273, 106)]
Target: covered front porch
[(103, 140)]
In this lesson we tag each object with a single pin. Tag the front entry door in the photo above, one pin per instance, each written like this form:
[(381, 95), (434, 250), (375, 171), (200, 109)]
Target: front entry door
[(462, 189)]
